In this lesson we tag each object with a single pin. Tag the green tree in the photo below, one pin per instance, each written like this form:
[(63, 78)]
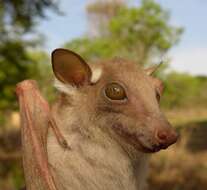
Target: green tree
[(17, 19), (184, 90), (140, 33)]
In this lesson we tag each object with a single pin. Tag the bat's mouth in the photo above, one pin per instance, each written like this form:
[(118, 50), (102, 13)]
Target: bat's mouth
[(155, 148), (134, 140)]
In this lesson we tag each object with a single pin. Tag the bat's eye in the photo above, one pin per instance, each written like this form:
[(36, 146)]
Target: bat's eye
[(115, 91), (158, 96)]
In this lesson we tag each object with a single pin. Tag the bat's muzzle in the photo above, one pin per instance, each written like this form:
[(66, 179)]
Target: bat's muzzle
[(165, 136)]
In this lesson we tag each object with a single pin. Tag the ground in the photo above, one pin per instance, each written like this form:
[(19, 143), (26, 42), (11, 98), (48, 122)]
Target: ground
[(181, 167)]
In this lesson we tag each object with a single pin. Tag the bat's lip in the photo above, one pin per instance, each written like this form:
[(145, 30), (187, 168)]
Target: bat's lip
[(151, 150), (142, 147)]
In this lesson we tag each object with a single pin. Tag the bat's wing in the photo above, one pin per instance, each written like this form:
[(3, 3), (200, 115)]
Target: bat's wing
[(35, 117)]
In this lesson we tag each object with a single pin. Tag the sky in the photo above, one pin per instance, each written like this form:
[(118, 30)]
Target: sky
[(190, 55)]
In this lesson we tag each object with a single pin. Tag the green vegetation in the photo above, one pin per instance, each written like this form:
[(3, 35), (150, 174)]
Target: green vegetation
[(184, 90), (139, 33), (17, 19)]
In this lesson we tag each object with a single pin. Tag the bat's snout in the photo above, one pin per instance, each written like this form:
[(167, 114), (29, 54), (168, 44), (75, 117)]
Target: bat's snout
[(165, 137)]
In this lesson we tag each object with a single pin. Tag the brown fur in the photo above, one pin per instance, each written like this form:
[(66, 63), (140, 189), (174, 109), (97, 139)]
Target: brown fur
[(109, 140)]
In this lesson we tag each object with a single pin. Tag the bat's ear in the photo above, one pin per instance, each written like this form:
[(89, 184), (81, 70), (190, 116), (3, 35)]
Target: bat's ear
[(150, 71), (70, 68)]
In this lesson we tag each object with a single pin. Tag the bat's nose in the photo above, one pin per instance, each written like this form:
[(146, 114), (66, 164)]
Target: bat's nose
[(166, 137)]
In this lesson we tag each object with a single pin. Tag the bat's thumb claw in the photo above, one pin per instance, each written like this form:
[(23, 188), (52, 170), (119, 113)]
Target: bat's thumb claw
[(64, 144)]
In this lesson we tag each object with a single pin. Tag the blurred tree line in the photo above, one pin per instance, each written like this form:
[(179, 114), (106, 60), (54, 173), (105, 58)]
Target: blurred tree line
[(19, 54), (138, 33)]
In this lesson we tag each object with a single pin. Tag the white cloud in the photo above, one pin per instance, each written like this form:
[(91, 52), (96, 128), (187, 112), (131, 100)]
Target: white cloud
[(191, 60)]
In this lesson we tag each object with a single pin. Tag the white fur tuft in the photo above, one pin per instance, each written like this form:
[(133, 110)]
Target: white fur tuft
[(96, 74), (66, 88)]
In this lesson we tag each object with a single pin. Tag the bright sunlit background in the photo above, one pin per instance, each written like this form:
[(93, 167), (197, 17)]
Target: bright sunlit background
[(145, 31), (190, 55)]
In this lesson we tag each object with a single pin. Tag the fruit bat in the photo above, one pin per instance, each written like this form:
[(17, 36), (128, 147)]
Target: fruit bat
[(105, 122)]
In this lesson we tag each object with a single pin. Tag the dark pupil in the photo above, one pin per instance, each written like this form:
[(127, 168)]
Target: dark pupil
[(115, 92), (158, 96)]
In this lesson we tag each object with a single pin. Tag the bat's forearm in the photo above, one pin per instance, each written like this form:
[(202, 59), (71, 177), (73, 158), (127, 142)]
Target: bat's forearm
[(35, 114)]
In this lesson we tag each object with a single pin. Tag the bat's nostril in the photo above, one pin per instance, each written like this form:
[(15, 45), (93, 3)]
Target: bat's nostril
[(166, 138), (162, 135)]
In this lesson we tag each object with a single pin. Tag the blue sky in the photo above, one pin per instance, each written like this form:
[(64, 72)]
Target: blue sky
[(190, 55)]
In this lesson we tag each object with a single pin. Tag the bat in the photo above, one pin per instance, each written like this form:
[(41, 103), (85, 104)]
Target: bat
[(101, 131)]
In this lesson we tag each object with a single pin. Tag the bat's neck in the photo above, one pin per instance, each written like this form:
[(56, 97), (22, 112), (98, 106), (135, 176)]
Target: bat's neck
[(96, 159)]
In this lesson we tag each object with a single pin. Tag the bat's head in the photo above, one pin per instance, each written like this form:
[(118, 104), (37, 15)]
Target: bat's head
[(118, 96)]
